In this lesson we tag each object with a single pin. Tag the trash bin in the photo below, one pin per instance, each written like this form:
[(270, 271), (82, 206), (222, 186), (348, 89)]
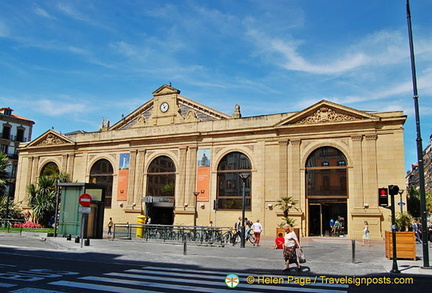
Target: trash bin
[(139, 230)]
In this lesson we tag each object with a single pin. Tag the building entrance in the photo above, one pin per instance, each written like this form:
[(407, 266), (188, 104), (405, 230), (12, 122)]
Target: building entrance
[(163, 215), (320, 214)]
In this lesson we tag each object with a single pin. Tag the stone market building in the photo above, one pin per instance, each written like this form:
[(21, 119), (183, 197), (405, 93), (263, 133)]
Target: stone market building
[(173, 155)]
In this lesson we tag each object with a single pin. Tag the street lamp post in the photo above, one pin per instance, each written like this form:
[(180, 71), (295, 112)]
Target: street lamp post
[(196, 202), (419, 144), (244, 176), (401, 203)]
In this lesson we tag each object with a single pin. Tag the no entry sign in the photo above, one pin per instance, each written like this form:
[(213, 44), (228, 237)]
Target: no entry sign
[(85, 200)]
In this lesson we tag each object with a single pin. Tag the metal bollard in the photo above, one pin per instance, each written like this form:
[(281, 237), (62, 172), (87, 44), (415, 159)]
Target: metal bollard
[(353, 250), (184, 245)]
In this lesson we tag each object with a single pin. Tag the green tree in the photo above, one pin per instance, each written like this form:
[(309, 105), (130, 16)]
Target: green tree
[(7, 207), (413, 202), (4, 163), (42, 197)]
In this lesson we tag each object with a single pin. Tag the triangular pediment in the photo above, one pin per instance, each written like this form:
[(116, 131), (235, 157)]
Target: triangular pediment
[(166, 90), (188, 111), (326, 112), (50, 138)]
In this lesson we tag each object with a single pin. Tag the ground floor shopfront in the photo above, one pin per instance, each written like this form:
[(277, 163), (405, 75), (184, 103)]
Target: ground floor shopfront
[(179, 162)]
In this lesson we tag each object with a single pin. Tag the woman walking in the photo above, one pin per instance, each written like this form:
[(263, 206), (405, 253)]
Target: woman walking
[(290, 245), (366, 235)]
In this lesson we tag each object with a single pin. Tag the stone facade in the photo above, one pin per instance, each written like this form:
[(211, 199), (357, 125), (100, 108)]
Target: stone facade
[(358, 152)]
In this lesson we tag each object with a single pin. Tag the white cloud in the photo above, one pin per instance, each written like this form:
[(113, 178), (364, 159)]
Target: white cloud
[(42, 12), (56, 108)]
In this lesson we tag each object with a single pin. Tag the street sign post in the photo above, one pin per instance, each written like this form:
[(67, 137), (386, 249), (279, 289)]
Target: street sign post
[(85, 201)]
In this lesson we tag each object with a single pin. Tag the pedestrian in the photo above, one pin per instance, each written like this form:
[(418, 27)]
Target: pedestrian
[(237, 231), (248, 225), (110, 225), (332, 222), (279, 242), (366, 234), (416, 229), (290, 245), (257, 228), (336, 227)]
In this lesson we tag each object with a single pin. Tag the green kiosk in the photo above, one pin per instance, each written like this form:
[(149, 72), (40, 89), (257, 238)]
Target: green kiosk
[(69, 222)]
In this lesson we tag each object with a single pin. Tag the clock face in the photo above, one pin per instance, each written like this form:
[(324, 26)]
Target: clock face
[(164, 107)]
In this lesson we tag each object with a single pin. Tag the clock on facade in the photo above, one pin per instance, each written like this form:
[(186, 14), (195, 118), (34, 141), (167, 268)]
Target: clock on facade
[(164, 107)]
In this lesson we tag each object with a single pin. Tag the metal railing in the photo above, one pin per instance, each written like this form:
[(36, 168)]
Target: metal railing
[(174, 233), (9, 223)]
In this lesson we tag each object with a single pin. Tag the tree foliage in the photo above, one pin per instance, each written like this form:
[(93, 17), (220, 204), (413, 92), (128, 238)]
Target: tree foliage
[(42, 197), (413, 201), (4, 163), (285, 203)]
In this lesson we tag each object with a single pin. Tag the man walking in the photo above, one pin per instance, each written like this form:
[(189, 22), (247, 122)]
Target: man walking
[(237, 230), (257, 228)]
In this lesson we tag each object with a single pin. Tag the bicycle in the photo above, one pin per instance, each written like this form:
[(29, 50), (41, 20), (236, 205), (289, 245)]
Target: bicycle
[(249, 237)]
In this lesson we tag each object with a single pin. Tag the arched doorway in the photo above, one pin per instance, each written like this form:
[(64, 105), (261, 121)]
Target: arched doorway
[(161, 179), (101, 173), (229, 190), (326, 191), (50, 169)]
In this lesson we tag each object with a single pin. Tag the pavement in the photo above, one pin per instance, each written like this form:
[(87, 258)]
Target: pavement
[(325, 255)]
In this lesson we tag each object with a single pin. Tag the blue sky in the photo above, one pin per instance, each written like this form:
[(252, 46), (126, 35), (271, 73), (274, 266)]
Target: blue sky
[(67, 64)]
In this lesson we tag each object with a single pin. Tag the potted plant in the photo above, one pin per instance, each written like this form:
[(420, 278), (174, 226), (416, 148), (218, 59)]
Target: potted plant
[(403, 221)]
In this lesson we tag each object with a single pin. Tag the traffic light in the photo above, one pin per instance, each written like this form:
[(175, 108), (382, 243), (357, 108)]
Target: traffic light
[(393, 189), (383, 197)]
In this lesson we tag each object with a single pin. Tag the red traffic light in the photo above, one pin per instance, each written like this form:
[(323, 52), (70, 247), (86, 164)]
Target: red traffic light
[(383, 196)]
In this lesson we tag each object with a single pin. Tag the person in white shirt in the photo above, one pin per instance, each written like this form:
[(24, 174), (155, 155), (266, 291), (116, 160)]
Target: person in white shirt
[(257, 228), (290, 245)]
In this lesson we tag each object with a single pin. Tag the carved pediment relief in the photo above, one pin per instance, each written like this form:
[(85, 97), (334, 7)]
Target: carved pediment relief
[(326, 112), (50, 138), (324, 115)]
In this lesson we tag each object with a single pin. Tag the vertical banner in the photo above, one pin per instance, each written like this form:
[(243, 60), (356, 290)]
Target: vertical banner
[(123, 177), (203, 174)]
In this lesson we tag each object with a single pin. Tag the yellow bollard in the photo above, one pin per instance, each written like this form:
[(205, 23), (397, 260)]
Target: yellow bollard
[(140, 221)]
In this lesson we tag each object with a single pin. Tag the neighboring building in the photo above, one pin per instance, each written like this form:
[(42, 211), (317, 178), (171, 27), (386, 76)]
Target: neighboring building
[(412, 176), (14, 130), (173, 154)]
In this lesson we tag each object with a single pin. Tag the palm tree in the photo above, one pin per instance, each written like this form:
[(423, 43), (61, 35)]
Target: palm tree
[(285, 203), (42, 197)]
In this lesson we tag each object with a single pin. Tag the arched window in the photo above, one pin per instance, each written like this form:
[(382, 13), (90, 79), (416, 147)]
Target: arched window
[(51, 169), (102, 173), (326, 173), (229, 188), (161, 177)]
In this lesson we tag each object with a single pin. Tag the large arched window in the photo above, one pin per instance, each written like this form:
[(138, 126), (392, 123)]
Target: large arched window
[(229, 189), (326, 173), (51, 169), (161, 177), (102, 173)]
